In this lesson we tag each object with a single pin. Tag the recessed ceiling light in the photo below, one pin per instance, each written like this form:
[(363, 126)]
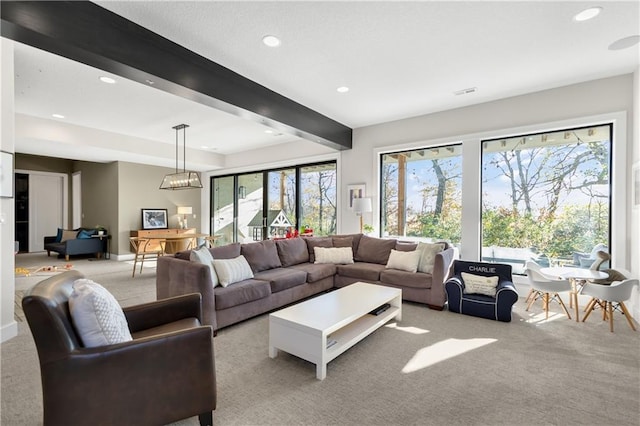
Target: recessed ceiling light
[(465, 91), (587, 14), (107, 80), (271, 41), (268, 131), (57, 115), (625, 43), (342, 89)]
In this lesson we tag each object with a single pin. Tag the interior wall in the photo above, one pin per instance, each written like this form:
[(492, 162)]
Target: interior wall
[(8, 325), (138, 188)]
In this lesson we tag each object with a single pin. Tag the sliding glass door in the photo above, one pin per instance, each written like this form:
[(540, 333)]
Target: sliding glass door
[(266, 204)]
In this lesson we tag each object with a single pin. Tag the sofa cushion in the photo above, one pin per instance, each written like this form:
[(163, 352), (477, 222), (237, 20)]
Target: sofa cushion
[(59, 236), (97, 315), (336, 255), (316, 272), (282, 278), (262, 255), (203, 256), (361, 270), (374, 250), (404, 260), (243, 292), (406, 246), (317, 242), (292, 251), (231, 271), (355, 240), (427, 259), (406, 279), (229, 251)]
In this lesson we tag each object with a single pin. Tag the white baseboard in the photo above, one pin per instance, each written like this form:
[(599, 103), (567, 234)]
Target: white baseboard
[(8, 331)]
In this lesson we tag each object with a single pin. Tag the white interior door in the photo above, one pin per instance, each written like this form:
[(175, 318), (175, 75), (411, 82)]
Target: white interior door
[(46, 208)]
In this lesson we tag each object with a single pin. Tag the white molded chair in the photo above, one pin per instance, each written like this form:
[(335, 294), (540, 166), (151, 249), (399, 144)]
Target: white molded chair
[(610, 298), (545, 288)]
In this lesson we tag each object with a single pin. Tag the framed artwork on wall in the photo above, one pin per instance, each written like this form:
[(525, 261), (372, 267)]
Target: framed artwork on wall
[(355, 191), (154, 219), (6, 174)]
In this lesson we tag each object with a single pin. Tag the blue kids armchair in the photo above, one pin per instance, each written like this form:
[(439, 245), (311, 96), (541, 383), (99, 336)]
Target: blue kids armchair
[(487, 293)]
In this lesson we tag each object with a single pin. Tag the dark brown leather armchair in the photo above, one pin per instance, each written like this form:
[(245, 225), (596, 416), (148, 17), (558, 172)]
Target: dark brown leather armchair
[(166, 373)]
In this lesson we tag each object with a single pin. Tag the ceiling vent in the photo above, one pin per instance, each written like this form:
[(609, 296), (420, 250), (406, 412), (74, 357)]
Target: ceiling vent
[(465, 91)]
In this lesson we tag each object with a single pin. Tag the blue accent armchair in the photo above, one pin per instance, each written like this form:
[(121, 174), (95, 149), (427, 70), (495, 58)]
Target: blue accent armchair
[(496, 308)]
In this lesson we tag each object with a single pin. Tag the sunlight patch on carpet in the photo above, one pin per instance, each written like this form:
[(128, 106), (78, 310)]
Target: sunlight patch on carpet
[(540, 318), (412, 330), (441, 351)]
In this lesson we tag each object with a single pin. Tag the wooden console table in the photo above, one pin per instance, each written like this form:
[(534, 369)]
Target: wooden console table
[(177, 239)]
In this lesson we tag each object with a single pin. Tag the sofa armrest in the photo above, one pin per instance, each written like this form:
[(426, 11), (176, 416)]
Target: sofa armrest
[(176, 277), (441, 269), (153, 314), (50, 239)]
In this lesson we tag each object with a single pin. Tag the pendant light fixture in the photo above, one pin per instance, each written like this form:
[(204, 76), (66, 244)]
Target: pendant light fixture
[(181, 179)]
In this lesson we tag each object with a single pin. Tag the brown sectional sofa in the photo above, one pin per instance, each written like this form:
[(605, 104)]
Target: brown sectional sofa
[(285, 272)]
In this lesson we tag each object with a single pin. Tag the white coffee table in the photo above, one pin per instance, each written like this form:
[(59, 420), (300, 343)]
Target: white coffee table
[(342, 315)]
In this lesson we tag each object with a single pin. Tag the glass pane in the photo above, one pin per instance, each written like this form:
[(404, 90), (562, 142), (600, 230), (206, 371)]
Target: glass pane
[(546, 197), (421, 194), (282, 202), (222, 217), (318, 199), (250, 223)]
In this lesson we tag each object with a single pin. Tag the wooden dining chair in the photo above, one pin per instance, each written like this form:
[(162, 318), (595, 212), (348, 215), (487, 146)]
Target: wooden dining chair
[(145, 248)]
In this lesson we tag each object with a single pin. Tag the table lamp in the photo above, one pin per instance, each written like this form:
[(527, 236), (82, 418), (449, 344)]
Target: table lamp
[(184, 211)]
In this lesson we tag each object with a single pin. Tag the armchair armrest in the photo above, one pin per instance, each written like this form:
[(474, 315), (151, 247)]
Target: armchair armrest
[(133, 376), (50, 239), (153, 314), (441, 268)]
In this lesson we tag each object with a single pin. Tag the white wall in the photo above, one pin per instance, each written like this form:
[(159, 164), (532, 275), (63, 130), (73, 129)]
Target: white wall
[(8, 325)]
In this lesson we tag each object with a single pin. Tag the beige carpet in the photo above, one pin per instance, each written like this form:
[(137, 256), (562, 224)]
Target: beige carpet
[(433, 368)]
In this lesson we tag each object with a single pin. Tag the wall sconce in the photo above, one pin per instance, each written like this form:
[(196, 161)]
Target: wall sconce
[(360, 206), (242, 192), (184, 211)]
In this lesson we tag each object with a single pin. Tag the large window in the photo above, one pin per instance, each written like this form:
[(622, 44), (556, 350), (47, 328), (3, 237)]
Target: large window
[(547, 197), (421, 193), (266, 204)]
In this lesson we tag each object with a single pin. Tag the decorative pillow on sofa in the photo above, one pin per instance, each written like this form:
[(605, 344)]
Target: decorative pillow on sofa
[(203, 256), (231, 271), (262, 255), (335, 255), (59, 235), (479, 284), (428, 257), (84, 234), (374, 250), (96, 315), (314, 242), (404, 260), (68, 235)]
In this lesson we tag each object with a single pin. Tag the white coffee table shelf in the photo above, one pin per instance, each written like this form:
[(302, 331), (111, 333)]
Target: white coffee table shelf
[(342, 315)]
